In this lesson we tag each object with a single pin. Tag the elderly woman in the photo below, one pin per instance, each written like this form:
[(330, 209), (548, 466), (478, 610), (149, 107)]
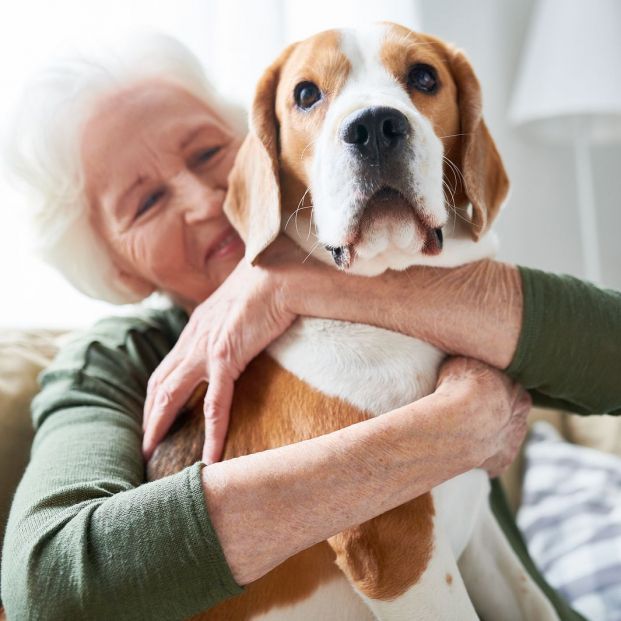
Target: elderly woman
[(130, 160)]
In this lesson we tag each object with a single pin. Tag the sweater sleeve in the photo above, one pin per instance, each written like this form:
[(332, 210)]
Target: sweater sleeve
[(569, 351), (86, 538)]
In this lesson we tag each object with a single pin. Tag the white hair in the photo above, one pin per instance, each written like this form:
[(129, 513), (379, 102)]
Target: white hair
[(43, 150)]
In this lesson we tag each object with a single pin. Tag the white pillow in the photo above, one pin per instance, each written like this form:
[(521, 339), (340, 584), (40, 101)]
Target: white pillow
[(571, 520)]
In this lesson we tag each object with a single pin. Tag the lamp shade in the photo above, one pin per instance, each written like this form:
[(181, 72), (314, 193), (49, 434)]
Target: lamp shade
[(570, 74)]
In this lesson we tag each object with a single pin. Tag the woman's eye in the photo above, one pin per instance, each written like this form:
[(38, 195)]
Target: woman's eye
[(149, 202), (306, 95), (205, 155), (423, 78)]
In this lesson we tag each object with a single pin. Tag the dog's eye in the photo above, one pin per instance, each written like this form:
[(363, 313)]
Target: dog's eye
[(423, 78), (306, 95)]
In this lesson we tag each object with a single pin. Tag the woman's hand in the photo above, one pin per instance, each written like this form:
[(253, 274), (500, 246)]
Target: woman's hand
[(224, 333), (498, 409)]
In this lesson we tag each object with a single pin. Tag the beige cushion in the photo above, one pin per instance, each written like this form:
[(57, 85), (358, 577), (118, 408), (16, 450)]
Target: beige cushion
[(598, 432), (602, 433), (22, 356), (512, 477)]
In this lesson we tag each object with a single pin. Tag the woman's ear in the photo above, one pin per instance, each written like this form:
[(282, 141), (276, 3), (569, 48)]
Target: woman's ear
[(485, 180), (253, 199)]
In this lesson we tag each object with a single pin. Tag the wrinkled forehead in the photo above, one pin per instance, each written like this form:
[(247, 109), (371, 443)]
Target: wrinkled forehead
[(363, 61)]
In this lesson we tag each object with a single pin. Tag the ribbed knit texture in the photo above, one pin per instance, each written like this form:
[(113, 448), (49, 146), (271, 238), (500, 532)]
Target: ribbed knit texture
[(569, 350), (86, 539)]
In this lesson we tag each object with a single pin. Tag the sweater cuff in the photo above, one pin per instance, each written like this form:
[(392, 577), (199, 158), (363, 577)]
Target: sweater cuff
[(532, 300), (226, 584)]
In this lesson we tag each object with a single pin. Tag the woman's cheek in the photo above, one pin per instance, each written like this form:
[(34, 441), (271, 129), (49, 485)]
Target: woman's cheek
[(152, 252)]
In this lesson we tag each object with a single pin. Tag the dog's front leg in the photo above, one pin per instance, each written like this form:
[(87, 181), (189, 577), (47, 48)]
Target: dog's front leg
[(403, 567)]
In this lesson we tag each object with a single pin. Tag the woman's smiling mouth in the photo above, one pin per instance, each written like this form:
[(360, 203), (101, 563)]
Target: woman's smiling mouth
[(228, 243)]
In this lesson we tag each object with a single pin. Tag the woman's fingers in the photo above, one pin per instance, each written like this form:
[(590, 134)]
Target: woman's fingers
[(166, 402), (512, 435), (217, 410), (226, 331), (160, 377)]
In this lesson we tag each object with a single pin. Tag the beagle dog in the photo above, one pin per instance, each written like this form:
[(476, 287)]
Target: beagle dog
[(372, 142)]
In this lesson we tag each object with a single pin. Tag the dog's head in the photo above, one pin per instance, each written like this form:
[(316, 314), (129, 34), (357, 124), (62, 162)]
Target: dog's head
[(373, 138)]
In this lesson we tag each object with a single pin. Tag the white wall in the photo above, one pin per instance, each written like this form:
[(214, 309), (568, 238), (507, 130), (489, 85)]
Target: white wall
[(246, 35), (539, 226)]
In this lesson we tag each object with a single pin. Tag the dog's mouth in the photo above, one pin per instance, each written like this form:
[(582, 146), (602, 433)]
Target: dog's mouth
[(387, 205)]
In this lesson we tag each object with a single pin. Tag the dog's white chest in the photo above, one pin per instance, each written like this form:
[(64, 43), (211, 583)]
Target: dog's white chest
[(373, 369)]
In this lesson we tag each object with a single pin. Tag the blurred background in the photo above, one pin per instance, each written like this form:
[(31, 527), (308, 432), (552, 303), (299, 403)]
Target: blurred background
[(550, 101)]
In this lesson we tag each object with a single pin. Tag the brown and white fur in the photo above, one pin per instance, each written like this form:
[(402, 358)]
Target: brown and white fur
[(317, 174)]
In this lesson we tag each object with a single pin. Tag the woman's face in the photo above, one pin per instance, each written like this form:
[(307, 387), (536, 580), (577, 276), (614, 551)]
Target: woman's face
[(156, 161)]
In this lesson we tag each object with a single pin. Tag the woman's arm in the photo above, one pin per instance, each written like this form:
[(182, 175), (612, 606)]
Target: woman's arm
[(474, 310), (558, 336), (319, 487), (86, 539)]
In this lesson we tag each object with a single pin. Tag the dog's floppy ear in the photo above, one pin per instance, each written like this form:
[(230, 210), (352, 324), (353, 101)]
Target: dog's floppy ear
[(485, 180), (253, 199)]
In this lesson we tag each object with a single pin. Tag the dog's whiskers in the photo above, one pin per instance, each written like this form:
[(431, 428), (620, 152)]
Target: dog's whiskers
[(308, 146), (299, 208), (455, 135), (315, 245), (457, 174), (458, 179), (295, 213), (450, 205), (311, 224)]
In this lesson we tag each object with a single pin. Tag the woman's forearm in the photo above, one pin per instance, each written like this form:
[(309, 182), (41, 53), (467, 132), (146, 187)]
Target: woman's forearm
[(474, 310), (268, 506)]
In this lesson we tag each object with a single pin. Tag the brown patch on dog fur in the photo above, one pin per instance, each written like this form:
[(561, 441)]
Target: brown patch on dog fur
[(319, 60), (374, 557), (252, 202), (449, 579), (455, 114), (292, 581), (401, 50), (272, 408), (486, 183), (270, 172)]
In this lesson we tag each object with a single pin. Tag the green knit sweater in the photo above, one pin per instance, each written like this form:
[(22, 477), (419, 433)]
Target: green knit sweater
[(88, 539)]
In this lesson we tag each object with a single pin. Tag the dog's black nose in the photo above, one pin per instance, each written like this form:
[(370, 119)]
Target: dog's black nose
[(375, 132)]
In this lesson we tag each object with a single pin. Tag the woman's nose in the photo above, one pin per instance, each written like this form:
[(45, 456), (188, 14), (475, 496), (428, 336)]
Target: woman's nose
[(199, 200)]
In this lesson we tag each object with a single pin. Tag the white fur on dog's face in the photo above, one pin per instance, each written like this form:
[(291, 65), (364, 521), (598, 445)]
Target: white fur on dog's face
[(339, 195), (393, 230)]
